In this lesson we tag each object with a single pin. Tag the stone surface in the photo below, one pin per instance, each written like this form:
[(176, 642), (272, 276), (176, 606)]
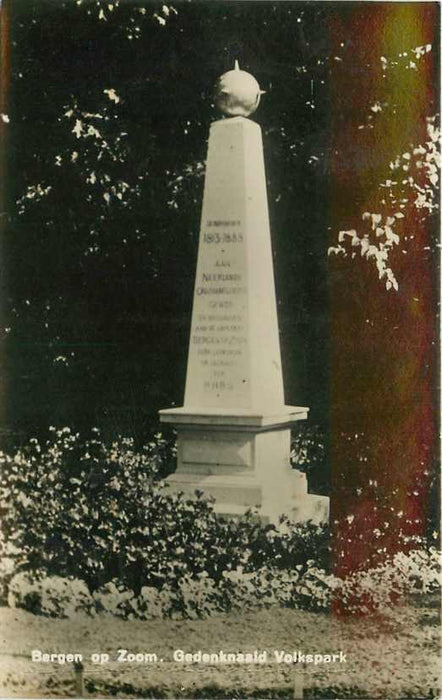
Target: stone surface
[(237, 93), (234, 428), (234, 356), (243, 461)]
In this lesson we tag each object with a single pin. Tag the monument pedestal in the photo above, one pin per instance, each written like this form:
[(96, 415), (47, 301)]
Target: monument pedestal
[(234, 427), (242, 459)]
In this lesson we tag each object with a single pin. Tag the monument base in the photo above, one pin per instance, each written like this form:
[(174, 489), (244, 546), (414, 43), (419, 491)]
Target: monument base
[(241, 458)]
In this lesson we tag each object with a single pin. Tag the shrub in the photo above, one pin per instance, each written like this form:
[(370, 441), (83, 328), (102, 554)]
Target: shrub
[(10, 558), (289, 545), (376, 589), (99, 513), (52, 596), (309, 454), (201, 596), (96, 513)]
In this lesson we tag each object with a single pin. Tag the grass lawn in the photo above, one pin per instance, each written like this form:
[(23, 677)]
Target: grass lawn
[(397, 658)]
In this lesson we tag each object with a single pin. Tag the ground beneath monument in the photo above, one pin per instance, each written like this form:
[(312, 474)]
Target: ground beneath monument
[(393, 659)]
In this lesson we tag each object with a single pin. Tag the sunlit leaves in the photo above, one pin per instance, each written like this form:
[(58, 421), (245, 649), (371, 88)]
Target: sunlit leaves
[(35, 193), (418, 190), (182, 185), (112, 95), (405, 59), (134, 17)]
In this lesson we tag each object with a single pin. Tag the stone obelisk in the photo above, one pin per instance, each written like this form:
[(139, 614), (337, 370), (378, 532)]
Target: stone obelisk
[(234, 428)]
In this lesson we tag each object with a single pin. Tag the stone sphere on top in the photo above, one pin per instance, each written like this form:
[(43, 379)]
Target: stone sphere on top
[(237, 93)]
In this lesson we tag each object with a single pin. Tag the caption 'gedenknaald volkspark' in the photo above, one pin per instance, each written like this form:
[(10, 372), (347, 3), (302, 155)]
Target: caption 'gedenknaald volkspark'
[(124, 656)]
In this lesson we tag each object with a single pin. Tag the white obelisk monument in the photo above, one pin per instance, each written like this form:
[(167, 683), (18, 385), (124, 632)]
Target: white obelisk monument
[(234, 427)]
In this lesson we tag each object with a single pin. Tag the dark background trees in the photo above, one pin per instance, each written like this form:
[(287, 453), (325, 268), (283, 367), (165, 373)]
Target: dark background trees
[(101, 264)]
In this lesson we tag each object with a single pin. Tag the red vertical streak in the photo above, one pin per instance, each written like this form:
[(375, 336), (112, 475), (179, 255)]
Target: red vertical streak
[(384, 362)]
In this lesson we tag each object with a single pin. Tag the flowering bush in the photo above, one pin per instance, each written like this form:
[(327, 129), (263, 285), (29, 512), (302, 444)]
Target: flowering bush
[(304, 587), (417, 571), (201, 596), (193, 598), (52, 596), (10, 557), (92, 527)]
